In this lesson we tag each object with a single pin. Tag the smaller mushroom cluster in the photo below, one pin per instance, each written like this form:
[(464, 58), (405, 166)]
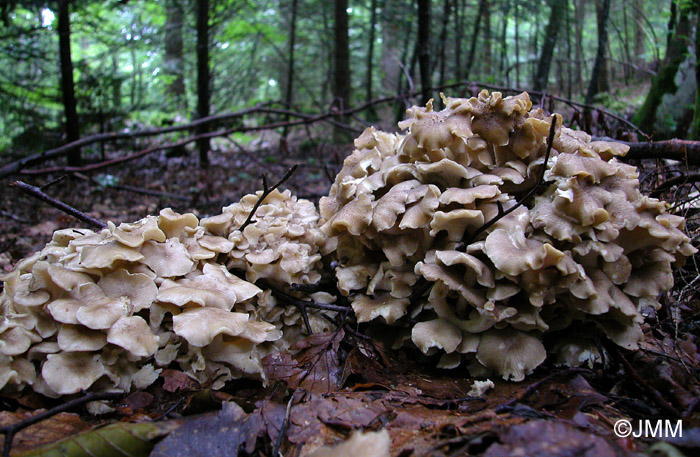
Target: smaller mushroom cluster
[(108, 310), (431, 237)]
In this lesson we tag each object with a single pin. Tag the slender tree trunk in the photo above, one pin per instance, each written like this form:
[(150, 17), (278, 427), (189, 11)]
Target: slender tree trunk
[(638, 30), (447, 6), (203, 78), (487, 66), (341, 88), (475, 35), (423, 47), (116, 85), (663, 82), (173, 63), (289, 84), (569, 56), (459, 31), (580, 6), (67, 85), (516, 16), (503, 61), (695, 126), (370, 50), (550, 41), (599, 71), (391, 47), (603, 21)]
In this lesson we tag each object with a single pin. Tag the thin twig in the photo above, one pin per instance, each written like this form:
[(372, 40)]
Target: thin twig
[(267, 191), (302, 305), (10, 430), (540, 181), (660, 400), (524, 394), (283, 429), (38, 193)]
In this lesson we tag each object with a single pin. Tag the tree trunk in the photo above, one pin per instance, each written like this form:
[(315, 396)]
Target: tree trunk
[(423, 46), (447, 6), (503, 59), (475, 35), (550, 41), (663, 82), (391, 47), (599, 68), (580, 6), (695, 126), (203, 78), (370, 50), (289, 85), (638, 13), (516, 17), (173, 64), (341, 87), (459, 31), (67, 85), (487, 66)]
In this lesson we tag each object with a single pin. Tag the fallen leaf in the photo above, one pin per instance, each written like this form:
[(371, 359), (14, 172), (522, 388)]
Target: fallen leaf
[(175, 380), (314, 366), (47, 431), (115, 440), (222, 433), (545, 438)]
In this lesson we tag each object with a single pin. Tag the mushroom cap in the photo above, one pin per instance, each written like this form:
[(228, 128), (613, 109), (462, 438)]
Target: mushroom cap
[(138, 287), (173, 224), (135, 234), (440, 333), (510, 353), (70, 372), (133, 334), (76, 338), (167, 259), (199, 326)]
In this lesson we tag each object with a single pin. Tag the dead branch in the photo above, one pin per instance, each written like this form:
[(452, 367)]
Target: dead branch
[(267, 191), (682, 150), (11, 430), (677, 181), (38, 193)]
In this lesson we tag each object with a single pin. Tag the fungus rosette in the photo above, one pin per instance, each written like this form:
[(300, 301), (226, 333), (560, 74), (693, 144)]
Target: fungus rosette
[(109, 310), (580, 259)]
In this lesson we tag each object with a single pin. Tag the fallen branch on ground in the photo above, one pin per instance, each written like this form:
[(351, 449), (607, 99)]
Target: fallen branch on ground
[(38, 193)]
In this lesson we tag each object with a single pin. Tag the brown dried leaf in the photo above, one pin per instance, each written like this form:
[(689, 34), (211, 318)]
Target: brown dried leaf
[(47, 431), (221, 433), (315, 366), (174, 380), (545, 438)]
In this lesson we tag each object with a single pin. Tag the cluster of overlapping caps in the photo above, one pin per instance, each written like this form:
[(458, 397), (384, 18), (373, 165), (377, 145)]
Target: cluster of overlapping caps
[(583, 258)]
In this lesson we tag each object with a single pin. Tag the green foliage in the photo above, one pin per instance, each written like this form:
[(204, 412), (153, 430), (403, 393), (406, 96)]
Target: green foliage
[(119, 55)]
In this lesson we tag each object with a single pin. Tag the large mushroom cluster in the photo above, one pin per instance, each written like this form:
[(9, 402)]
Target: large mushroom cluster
[(472, 237), (421, 228), (108, 310)]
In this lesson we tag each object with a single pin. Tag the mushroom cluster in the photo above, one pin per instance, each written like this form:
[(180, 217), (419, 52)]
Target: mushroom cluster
[(421, 229), (469, 237), (109, 310)]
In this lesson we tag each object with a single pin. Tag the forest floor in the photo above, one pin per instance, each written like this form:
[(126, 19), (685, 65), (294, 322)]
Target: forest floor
[(555, 411)]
